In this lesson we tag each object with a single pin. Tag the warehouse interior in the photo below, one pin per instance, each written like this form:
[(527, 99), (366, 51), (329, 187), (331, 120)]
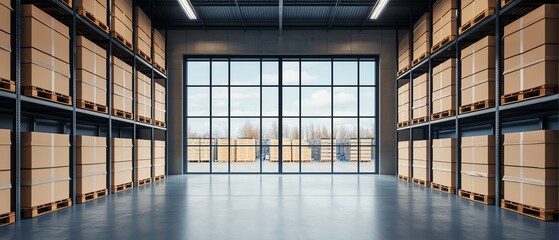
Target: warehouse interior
[(265, 119)]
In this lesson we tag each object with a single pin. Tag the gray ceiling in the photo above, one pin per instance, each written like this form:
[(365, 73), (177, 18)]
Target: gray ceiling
[(296, 14)]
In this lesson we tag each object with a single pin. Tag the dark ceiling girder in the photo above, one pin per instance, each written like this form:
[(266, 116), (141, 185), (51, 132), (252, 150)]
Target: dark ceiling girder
[(240, 14), (333, 14), (280, 6)]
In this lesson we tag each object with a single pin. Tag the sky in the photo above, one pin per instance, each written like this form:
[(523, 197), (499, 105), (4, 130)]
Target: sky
[(247, 97)]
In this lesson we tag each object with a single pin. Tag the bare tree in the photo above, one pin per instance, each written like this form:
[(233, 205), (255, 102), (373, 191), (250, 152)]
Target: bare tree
[(248, 130)]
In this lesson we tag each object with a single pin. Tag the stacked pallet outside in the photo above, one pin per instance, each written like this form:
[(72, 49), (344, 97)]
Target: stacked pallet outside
[(444, 23), (91, 167), (301, 151), (444, 165), (158, 163), (121, 21), (159, 108), (91, 82), (45, 172), (420, 166), (404, 54), (45, 61), (420, 103), (5, 174), (323, 150), (444, 80), (478, 76), (143, 98), (474, 12), (159, 51), (404, 105), (404, 163), (531, 62), (246, 150), (198, 150), (286, 150), (122, 89), (95, 11), (224, 151), (478, 168), (6, 82), (361, 150), (421, 43), (143, 35), (121, 164), (142, 162)]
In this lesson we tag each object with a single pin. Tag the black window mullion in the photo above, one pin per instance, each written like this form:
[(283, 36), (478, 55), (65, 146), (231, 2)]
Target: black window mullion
[(332, 116)]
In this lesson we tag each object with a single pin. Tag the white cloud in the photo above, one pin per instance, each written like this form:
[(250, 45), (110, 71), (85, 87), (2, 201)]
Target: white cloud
[(270, 79)]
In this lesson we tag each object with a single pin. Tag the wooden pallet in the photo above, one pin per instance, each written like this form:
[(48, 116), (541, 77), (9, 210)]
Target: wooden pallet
[(160, 123), (443, 188), (527, 94), (404, 178), (160, 68), (92, 106), (46, 208), (121, 187), (535, 212), (92, 196), (403, 70), (505, 2), (84, 13), (47, 95), (443, 42), (420, 58), (159, 178), (67, 2), (403, 124), (420, 182), (477, 19), (419, 120), (7, 85), (143, 182), (143, 119), (122, 114), (143, 55), (476, 197), (443, 114), (477, 106), (121, 39), (7, 219)]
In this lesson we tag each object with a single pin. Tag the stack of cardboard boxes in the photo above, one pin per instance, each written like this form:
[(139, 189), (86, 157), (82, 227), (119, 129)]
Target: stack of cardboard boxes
[(91, 166), (444, 80), (362, 153), (444, 22), (286, 150), (143, 35), (245, 150), (6, 44), (95, 10), (143, 98), (421, 43), (193, 150), (404, 105), (121, 164), (478, 168), (444, 164), (121, 21), (478, 75), (420, 104), (302, 152), (420, 162), (5, 171), (404, 57), (159, 107), (223, 150), (205, 150), (531, 55), (142, 162), (45, 169), (45, 56), (159, 51), (327, 153), (158, 163), (471, 9), (91, 82), (531, 174), (404, 167), (122, 88)]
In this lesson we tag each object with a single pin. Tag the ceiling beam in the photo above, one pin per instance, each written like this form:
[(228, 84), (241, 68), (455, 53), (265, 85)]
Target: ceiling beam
[(280, 16), (333, 14), (240, 14)]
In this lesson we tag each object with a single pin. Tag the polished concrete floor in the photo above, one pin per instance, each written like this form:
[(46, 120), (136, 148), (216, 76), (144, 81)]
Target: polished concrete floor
[(281, 207)]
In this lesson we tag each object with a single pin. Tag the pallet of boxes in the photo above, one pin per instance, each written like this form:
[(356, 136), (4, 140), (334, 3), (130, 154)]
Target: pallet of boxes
[(531, 173), (300, 152), (45, 173), (531, 55), (142, 162), (159, 108), (404, 163), (473, 12), (121, 21), (45, 56), (143, 98), (122, 89), (404, 105), (143, 35), (159, 51), (286, 150), (360, 150), (420, 103), (91, 168), (121, 164), (421, 43), (224, 152), (404, 54), (6, 82), (478, 169), (478, 76), (91, 82), (420, 167), (6, 214), (158, 163), (444, 165), (94, 11), (444, 100), (245, 150), (445, 13)]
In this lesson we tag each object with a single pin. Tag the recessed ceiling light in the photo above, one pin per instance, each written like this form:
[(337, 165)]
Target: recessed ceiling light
[(379, 6), (188, 9)]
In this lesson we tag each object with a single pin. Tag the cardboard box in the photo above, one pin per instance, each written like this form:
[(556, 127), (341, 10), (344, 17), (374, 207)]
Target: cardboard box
[(44, 185), (91, 178), (6, 16), (444, 173), (420, 87), (142, 173), (143, 30), (121, 18), (444, 74), (44, 33), (478, 149), (444, 150), (445, 26), (478, 57), (5, 60), (5, 193), (472, 8), (404, 168), (143, 149), (44, 150), (404, 58), (44, 71), (87, 92), (421, 35), (531, 149), (531, 69), (478, 178), (444, 103), (5, 150), (91, 150), (96, 7), (420, 150), (122, 150), (158, 170), (122, 174), (535, 187), (420, 170), (479, 92), (91, 58), (122, 73), (442, 7)]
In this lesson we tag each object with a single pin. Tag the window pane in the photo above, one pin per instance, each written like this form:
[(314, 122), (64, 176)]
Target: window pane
[(345, 73), (245, 101), (317, 133), (367, 101), (345, 135), (270, 74), (316, 73), (220, 73), (367, 73), (291, 101), (245, 73), (269, 101), (198, 128), (220, 101), (198, 73), (290, 73), (198, 101), (345, 101), (316, 101)]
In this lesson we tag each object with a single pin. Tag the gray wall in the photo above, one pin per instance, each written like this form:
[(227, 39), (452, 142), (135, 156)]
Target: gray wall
[(295, 42)]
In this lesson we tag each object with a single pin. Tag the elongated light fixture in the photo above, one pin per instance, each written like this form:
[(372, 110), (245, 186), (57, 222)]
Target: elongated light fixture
[(188, 9), (379, 6)]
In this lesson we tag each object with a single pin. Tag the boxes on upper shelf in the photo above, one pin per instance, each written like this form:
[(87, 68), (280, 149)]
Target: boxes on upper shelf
[(478, 74), (121, 21), (5, 40), (420, 104), (404, 56), (421, 44), (5, 171), (91, 164), (143, 97), (143, 34), (444, 22), (404, 105), (122, 86), (444, 80), (159, 107), (91, 81), (474, 11), (159, 51), (95, 10)]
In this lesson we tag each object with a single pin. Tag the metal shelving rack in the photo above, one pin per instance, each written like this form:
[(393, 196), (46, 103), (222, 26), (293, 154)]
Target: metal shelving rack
[(533, 114), (30, 114)]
